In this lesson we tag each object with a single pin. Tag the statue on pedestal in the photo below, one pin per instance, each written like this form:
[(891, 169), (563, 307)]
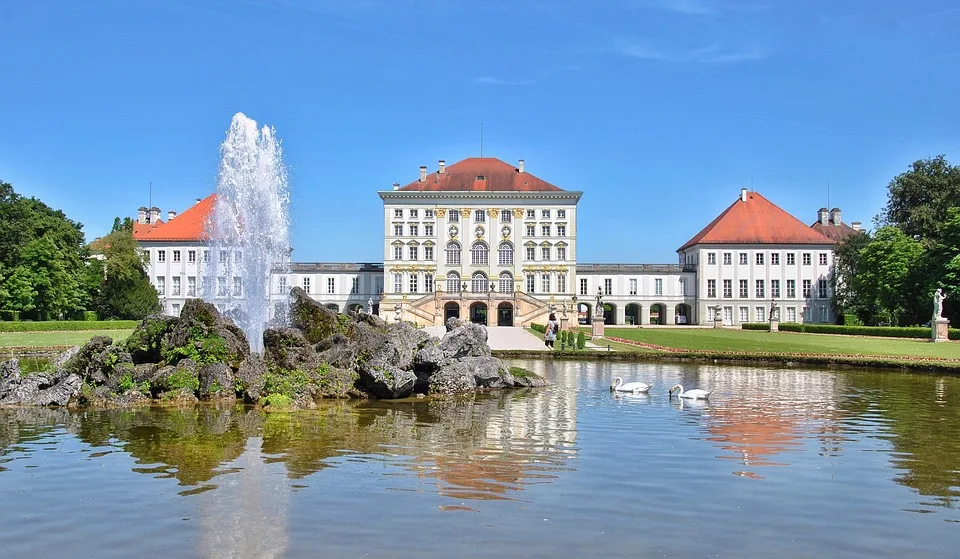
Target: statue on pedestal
[(598, 311), (938, 298), (370, 305), (774, 311)]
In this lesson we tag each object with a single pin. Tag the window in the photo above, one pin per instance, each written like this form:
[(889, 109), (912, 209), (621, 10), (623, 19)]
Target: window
[(206, 256), (506, 216), (583, 286), (428, 253), (761, 292), (561, 283), (775, 258), (428, 229), (331, 286), (191, 286), (727, 289), (545, 230), (531, 282), (761, 314), (237, 286), (176, 309), (397, 229), (806, 258), (545, 254), (658, 286), (175, 287), (791, 314), (822, 289), (398, 213), (760, 258), (531, 254), (191, 256), (608, 286), (205, 287), (823, 258), (428, 214), (397, 283), (561, 253), (428, 283), (413, 252), (791, 288), (683, 286), (506, 283), (176, 256), (398, 252), (453, 254), (479, 216), (414, 279), (633, 286), (453, 282), (711, 258), (379, 283), (531, 214), (711, 288), (282, 285), (561, 230), (479, 254), (775, 288), (744, 314), (791, 260), (224, 257), (505, 256), (306, 284), (414, 230), (161, 256), (806, 289), (561, 214), (414, 213), (743, 258), (824, 315), (807, 314), (221, 286), (479, 283), (545, 214), (531, 230), (744, 289), (453, 215), (161, 285), (545, 282), (727, 258)]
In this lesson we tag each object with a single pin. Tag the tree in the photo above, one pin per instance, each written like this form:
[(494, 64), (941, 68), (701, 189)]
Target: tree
[(44, 283), (945, 263), (887, 277), (126, 291), (847, 267), (918, 200)]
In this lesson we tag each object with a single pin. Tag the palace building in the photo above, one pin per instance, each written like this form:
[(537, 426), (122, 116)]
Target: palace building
[(488, 241)]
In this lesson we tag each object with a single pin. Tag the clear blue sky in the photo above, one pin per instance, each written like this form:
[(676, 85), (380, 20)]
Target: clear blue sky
[(659, 110)]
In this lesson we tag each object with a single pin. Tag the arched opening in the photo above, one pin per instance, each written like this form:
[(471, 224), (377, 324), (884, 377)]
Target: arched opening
[(451, 310), (355, 307), (609, 313), (584, 312), (505, 254), (506, 283), (504, 314), (632, 313), (453, 253), (479, 283), (453, 282), (658, 314), (478, 313), (681, 314), (479, 254), (333, 307)]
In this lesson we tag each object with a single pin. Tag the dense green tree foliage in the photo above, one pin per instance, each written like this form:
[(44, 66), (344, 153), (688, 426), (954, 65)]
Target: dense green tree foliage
[(918, 200), (126, 292)]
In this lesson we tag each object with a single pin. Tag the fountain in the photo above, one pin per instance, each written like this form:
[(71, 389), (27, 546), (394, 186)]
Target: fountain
[(249, 229)]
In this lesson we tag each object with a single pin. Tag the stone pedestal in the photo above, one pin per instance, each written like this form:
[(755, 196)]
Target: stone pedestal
[(938, 329), (774, 324), (598, 322), (718, 323)]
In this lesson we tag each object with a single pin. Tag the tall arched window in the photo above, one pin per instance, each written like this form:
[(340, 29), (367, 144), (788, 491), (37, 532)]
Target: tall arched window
[(479, 283), (506, 282), (453, 282), (453, 253), (479, 253), (506, 254)]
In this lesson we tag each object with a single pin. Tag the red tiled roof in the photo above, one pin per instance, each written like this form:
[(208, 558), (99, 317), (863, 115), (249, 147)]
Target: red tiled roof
[(835, 232), (144, 228), (188, 226), (464, 176), (756, 221)]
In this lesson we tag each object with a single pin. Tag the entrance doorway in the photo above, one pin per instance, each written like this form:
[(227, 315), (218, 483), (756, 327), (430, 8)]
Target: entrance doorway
[(478, 313), (451, 310), (505, 314)]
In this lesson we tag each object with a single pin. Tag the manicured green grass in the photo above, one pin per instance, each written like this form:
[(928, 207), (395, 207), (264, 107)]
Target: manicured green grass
[(722, 339), (48, 339)]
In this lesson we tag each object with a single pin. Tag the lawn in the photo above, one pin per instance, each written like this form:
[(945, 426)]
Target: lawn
[(722, 339), (48, 339)]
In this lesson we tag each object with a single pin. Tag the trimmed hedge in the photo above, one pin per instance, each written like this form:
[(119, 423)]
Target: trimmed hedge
[(68, 325), (755, 326), (916, 332), (538, 327)]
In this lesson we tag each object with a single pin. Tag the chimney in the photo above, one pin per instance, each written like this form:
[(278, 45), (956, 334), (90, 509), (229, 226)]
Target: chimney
[(154, 215), (822, 216), (835, 216), (423, 173), (443, 163), (171, 214), (520, 166), (198, 201), (743, 194), (142, 215), (396, 186), (856, 226)]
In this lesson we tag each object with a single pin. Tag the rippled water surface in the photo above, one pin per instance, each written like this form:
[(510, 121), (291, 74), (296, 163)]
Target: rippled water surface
[(780, 463)]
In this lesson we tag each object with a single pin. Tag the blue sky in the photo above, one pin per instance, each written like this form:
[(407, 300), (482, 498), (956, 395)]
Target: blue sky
[(659, 110)]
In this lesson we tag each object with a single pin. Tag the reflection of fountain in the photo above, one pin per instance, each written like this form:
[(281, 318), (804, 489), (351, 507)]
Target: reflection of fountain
[(249, 229)]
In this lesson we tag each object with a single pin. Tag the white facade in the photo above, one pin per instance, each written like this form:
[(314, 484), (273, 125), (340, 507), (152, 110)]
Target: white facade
[(638, 294)]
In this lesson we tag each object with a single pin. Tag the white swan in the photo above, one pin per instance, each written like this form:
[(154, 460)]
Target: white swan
[(695, 394), (635, 387)]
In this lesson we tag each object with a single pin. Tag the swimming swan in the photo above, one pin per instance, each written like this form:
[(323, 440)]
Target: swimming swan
[(695, 394), (635, 387)]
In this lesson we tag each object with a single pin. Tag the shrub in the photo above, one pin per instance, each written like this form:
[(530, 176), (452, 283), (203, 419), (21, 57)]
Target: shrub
[(581, 340), (67, 325), (756, 326), (89, 316), (538, 327), (9, 316)]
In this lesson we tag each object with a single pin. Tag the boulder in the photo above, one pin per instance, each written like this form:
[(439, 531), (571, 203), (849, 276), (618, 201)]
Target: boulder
[(313, 319), (201, 333), (250, 374), (289, 349), (38, 389), (387, 381), (97, 361), (465, 340), (10, 376), (145, 344), (216, 382), (454, 378)]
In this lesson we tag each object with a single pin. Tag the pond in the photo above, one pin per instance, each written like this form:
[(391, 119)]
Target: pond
[(780, 462)]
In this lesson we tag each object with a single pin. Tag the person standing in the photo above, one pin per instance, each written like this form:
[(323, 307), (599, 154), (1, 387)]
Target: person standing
[(550, 333)]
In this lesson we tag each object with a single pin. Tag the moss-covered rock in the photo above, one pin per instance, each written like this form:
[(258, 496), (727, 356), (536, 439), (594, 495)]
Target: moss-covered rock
[(145, 343), (313, 319)]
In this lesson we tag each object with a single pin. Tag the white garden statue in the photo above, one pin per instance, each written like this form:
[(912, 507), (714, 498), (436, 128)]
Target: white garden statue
[(938, 298)]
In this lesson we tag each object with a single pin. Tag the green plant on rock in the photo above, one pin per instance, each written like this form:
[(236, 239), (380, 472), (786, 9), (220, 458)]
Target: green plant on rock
[(184, 379), (126, 383), (520, 372), (201, 347), (285, 381), (276, 401)]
